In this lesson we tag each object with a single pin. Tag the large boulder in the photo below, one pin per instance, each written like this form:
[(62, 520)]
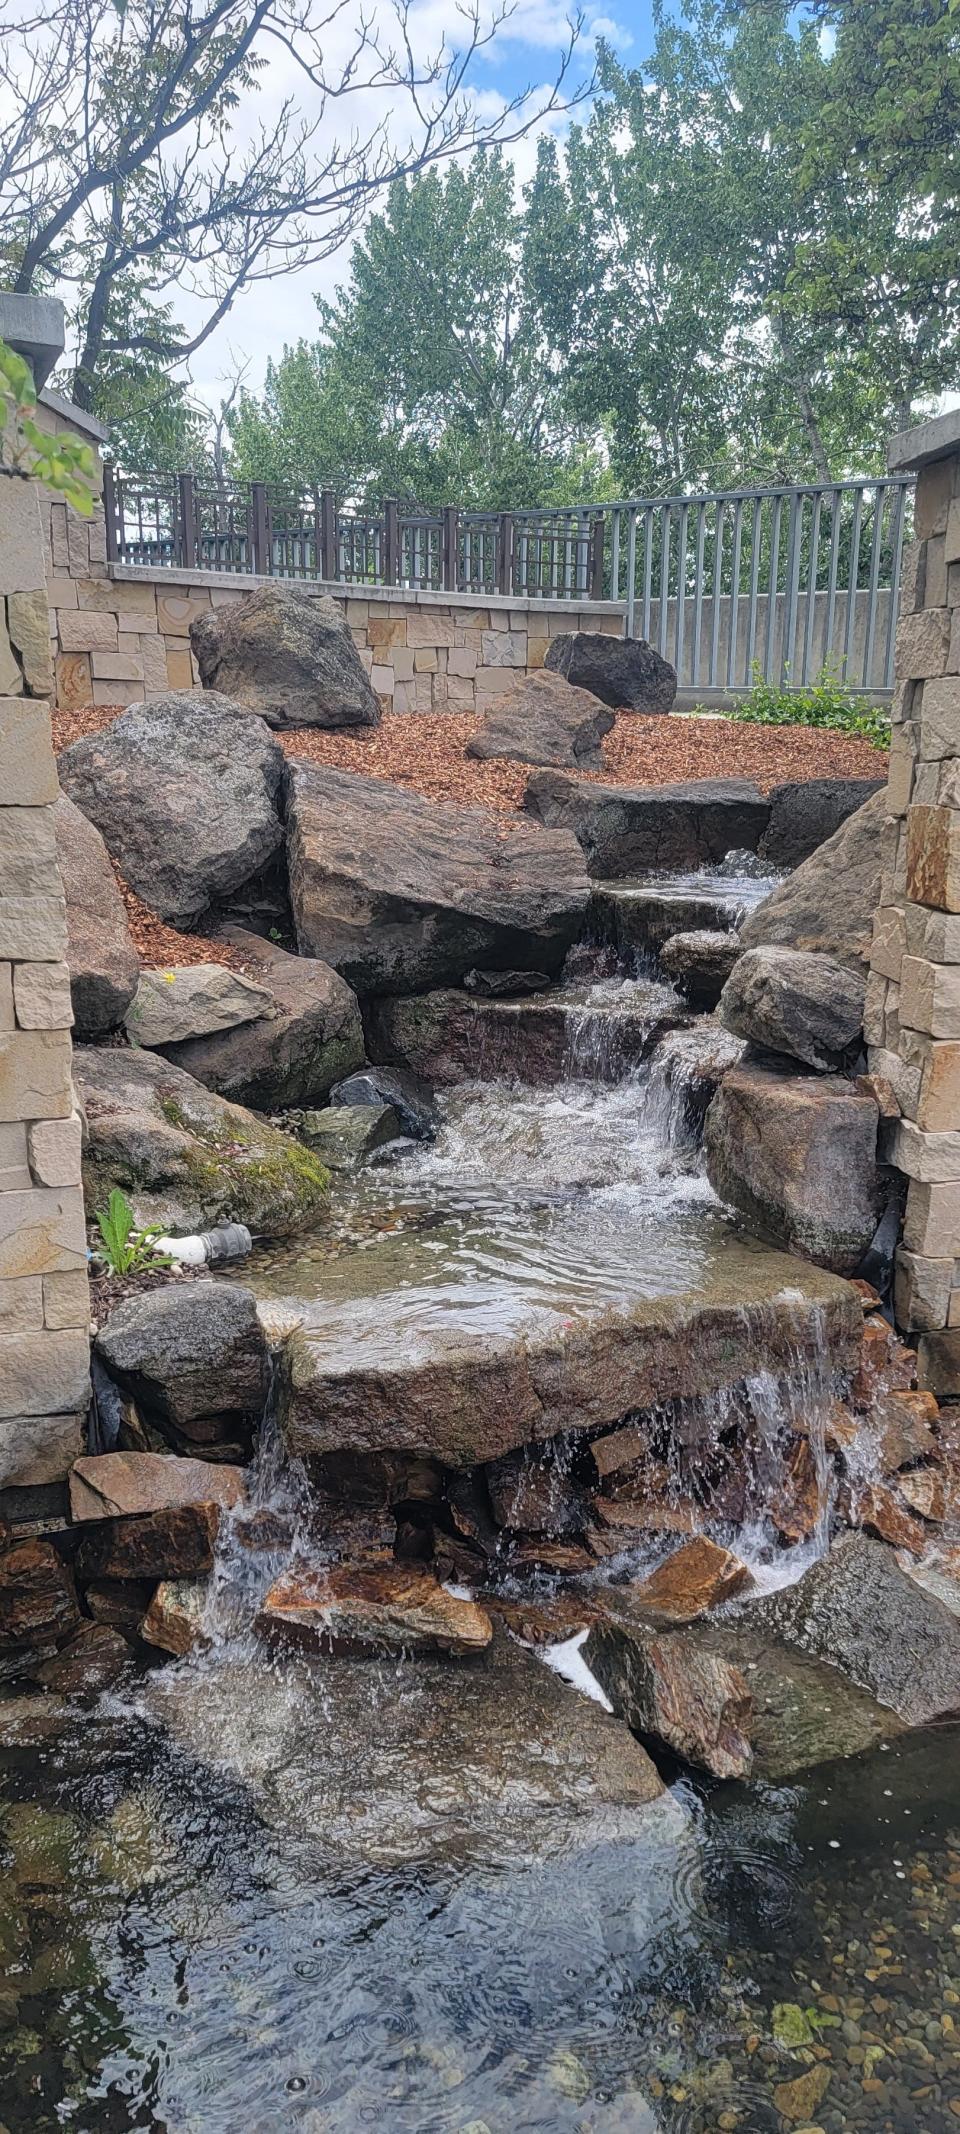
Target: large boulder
[(399, 893), (862, 1612), (828, 903), (192, 1000), (625, 672), (185, 790), (309, 1035), (101, 957), (451, 1035), (672, 1691), (806, 811), (631, 829), (544, 720), (788, 1000), (288, 656), (185, 1158), (699, 963), (797, 1155), (190, 1354)]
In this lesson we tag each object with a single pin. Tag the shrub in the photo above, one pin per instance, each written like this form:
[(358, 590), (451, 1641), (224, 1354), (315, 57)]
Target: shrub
[(126, 1249), (825, 702)]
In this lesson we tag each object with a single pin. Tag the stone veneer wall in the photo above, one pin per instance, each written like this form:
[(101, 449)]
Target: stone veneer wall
[(44, 1300), (912, 1019)]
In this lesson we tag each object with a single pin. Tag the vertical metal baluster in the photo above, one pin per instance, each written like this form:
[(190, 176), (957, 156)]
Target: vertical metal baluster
[(698, 593), (756, 535), (666, 543), (647, 571), (678, 641), (879, 506), (717, 595), (812, 577), (853, 580), (631, 571), (615, 557), (773, 600), (735, 593), (836, 508), (898, 530), (794, 547)]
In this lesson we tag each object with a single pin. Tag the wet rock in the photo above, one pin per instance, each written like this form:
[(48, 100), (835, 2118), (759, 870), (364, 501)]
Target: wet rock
[(361, 1382), (625, 672), (786, 1000), (931, 1492), (505, 985), (168, 1544), (903, 1427), (89, 1663), (449, 1036), (174, 1620), (827, 904), (407, 1094), (188, 1354), (673, 1691), (535, 1494), (111, 1485), (807, 811), (310, 1036), (803, 2094), (399, 893), (700, 964), (861, 1611), (185, 1157), (544, 720), (881, 1511), (632, 916), (627, 1518), (627, 829), (547, 1622), (288, 656), (101, 957), (696, 1578), (560, 1559), (195, 1000), (120, 1603), (795, 1503), (373, 1607), (886, 1364), (38, 1604), (345, 1136), (620, 1451), (185, 791), (797, 1156)]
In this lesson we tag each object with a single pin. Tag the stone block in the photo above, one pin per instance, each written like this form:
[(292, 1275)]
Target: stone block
[(118, 693), (429, 626), (462, 661), (74, 683), (33, 929), (939, 724), (22, 558), (14, 1164), (42, 1232), (153, 661), (66, 1301), (933, 857), (21, 1305), (87, 630), (44, 1373), (59, 553), (932, 498), (61, 593), (913, 577), (921, 1292), (940, 939), (934, 1159), (180, 673), (78, 546), (874, 1007), (38, 1450), (35, 1074), (953, 657), (119, 666), (11, 672), (28, 625), (935, 577), (504, 648), (938, 1104), (889, 944), (8, 1018), (931, 1224), (41, 993), (938, 1364), (28, 852), (930, 997), (403, 696), (119, 598), (923, 644), (461, 693), (55, 1150), (891, 1015), (926, 785), (382, 679), (537, 648), (384, 632), (28, 771), (427, 660), (359, 610), (951, 528), (904, 1078), (176, 611), (403, 664)]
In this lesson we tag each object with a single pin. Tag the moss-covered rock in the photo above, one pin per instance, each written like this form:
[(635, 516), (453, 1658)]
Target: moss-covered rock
[(185, 1157)]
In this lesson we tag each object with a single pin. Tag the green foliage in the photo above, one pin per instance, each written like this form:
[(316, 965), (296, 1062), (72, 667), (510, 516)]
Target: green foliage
[(127, 1249), (825, 702), (62, 462)]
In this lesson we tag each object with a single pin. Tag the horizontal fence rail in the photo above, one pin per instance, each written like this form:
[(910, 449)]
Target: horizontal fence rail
[(781, 583)]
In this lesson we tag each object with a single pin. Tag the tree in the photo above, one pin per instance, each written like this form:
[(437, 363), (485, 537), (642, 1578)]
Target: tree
[(133, 165)]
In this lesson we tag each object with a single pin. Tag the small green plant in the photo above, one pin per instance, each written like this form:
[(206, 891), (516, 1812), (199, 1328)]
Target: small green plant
[(825, 702), (59, 460), (127, 1249)]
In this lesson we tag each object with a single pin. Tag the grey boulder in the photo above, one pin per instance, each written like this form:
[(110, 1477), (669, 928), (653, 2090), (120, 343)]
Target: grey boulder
[(628, 830), (405, 1093), (400, 893), (185, 790), (806, 811), (288, 656), (308, 1036), (192, 1000), (101, 957), (700, 963), (797, 1155), (190, 1353), (828, 903), (865, 1615), (625, 672), (544, 720), (792, 1001)]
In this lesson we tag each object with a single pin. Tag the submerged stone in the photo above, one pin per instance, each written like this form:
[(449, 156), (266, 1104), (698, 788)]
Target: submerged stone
[(346, 1135), (89, 1663), (380, 1606), (406, 1092)]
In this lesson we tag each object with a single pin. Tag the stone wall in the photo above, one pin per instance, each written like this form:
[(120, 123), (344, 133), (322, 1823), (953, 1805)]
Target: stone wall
[(44, 1302), (913, 996)]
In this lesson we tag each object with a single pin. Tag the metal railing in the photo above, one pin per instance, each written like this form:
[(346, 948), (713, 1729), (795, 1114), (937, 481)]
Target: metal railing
[(786, 581)]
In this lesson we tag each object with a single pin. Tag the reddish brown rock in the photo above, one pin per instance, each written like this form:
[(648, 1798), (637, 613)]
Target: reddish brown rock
[(168, 1544), (88, 1663), (544, 719), (905, 1425), (38, 1604), (644, 1515), (113, 1485), (618, 1449), (694, 1579), (565, 1559), (671, 1690), (548, 1622), (373, 1607), (887, 1365), (795, 1506), (119, 1603), (534, 1495), (880, 1511), (930, 1492), (174, 1619)]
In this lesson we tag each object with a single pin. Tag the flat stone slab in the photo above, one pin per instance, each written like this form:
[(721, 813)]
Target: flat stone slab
[(625, 829), (641, 915), (449, 1036), (192, 1000), (465, 1373)]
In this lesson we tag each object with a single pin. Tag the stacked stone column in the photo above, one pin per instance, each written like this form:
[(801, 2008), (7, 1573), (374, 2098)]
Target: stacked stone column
[(912, 1019), (44, 1301)]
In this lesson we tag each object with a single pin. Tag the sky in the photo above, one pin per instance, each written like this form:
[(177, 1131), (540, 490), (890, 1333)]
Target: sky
[(524, 53)]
